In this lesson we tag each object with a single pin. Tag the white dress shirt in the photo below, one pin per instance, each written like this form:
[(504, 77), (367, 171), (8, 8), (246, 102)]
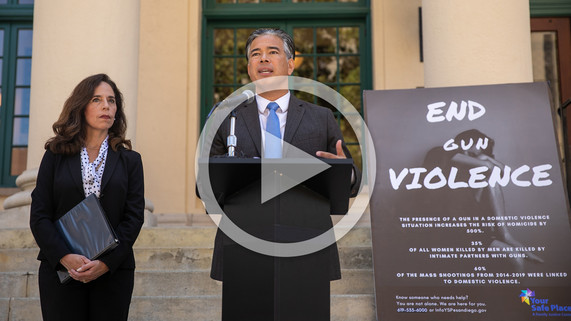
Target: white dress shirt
[(263, 113)]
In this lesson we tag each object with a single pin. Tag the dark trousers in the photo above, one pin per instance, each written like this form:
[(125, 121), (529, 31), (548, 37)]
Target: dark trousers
[(104, 299)]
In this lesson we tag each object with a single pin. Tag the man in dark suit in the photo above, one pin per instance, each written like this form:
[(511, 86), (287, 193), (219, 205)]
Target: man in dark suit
[(310, 128)]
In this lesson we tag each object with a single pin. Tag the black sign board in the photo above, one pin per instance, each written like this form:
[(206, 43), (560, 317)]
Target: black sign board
[(469, 212)]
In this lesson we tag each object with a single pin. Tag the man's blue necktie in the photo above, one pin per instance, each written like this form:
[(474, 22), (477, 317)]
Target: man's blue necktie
[(273, 148)]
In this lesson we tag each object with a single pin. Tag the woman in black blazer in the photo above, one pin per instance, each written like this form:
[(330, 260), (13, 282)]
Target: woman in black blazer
[(88, 154)]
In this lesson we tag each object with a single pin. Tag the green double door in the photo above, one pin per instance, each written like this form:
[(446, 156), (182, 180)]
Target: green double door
[(333, 53)]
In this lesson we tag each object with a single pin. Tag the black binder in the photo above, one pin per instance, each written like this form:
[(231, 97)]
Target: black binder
[(86, 231)]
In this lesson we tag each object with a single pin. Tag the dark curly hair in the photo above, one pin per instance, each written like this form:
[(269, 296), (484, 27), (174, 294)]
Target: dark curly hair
[(70, 130)]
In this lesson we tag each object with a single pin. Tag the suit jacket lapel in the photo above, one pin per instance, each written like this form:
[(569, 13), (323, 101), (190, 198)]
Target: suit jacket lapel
[(294, 114), (74, 163), (110, 165), (248, 115), (251, 120)]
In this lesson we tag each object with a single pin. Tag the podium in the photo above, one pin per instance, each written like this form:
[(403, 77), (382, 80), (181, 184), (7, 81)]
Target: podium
[(265, 287)]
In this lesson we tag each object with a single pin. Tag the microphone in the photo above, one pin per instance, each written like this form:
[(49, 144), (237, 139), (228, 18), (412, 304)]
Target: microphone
[(231, 140), (234, 101), (238, 99)]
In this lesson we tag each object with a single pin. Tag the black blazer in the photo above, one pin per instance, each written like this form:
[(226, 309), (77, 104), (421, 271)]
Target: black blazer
[(309, 127), (60, 187)]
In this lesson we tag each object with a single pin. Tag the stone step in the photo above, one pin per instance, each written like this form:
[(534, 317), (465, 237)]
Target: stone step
[(183, 308), (172, 278), (179, 283), (18, 238), (183, 236), (201, 258), (172, 237), (24, 260)]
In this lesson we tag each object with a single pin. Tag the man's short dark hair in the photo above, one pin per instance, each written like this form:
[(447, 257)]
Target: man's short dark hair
[(289, 46)]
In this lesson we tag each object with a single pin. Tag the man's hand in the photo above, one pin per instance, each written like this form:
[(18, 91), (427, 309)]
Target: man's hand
[(338, 147), (340, 155)]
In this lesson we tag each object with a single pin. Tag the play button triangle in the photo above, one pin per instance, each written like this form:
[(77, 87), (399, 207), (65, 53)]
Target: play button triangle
[(279, 175)]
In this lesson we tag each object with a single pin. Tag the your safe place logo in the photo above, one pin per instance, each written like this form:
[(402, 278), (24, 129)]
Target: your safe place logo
[(542, 306)]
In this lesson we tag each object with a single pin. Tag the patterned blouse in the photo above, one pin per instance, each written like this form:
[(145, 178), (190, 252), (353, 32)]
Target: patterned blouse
[(92, 173)]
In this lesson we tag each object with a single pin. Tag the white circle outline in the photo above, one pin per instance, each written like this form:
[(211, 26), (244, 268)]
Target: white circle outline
[(356, 209)]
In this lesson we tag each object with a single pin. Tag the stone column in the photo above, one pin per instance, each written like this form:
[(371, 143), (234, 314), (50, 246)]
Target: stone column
[(476, 42), (73, 40)]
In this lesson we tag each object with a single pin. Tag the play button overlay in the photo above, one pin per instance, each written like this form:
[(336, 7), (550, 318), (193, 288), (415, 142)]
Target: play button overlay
[(280, 174)]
